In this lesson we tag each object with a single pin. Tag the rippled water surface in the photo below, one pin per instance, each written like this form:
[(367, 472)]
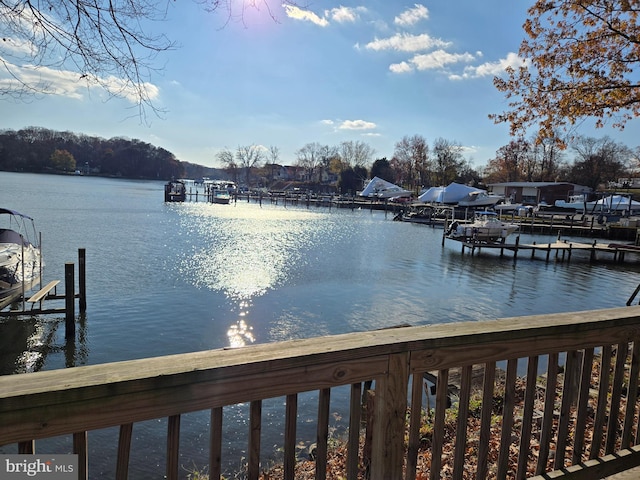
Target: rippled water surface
[(172, 278)]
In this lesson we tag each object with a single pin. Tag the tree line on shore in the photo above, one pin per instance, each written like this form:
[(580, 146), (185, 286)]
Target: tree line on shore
[(414, 165)]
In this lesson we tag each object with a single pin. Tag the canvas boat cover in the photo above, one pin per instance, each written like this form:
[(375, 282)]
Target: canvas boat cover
[(451, 194), (380, 188)]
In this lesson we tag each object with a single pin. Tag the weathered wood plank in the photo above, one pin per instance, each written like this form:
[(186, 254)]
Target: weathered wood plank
[(196, 367), (597, 469), (122, 406), (40, 294)]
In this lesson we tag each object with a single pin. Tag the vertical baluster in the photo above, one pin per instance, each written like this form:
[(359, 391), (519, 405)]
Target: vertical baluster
[(80, 448), (173, 447), (355, 411), (27, 448), (290, 436), (601, 409), (215, 444), (616, 394), (414, 425), (583, 403), (568, 396), (442, 391), (485, 421), (527, 417), (547, 420), (124, 450), (322, 434), (507, 416), (463, 415), (255, 420), (632, 394)]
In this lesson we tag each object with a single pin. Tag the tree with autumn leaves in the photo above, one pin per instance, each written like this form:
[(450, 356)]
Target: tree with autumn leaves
[(578, 62)]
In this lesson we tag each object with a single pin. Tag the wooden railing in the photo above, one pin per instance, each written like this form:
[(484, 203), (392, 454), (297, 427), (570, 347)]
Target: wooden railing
[(558, 393)]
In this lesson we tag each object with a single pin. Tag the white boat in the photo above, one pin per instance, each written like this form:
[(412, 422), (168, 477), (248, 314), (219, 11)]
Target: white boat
[(486, 226), (379, 188), (221, 197), (20, 256), (618, 204), (506, 206), (579, 202), (479, 199)]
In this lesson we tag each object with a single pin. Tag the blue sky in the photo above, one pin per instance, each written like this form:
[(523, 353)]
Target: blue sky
[(324, 72)]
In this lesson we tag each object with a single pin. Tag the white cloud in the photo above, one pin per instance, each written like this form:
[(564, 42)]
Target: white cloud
[(326, 122), (402, 67), (357, 125), (492, 68), (412, 16), (345, 14), (405, 42), (439, 59), (70, 84), (298, 14)]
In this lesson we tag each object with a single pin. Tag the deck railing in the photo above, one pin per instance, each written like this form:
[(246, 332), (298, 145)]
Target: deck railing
[(531, 395)]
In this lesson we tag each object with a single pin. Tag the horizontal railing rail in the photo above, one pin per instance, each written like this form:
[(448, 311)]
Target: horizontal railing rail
[(523, 396)]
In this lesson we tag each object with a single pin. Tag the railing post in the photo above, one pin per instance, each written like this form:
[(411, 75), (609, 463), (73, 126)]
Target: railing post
[(390, 408)]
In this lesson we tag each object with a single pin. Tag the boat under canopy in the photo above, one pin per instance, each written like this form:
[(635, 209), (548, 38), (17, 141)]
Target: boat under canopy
[(20, 256), (379, 188), (454, 193)]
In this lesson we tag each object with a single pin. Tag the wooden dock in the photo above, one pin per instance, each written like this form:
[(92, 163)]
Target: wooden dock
[(559, 250)]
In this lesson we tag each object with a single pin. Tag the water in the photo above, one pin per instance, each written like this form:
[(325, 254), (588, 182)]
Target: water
[(173, 278)]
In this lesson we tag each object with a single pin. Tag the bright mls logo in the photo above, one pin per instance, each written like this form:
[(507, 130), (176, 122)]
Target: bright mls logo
[(51, 467)]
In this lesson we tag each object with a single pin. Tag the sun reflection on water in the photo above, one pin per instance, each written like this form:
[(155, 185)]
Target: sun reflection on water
[(243, 251)]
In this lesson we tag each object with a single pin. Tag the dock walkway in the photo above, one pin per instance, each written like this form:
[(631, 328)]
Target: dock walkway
[(562, 249)]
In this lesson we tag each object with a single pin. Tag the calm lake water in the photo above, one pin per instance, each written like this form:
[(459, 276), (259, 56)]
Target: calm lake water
[(173, 278)]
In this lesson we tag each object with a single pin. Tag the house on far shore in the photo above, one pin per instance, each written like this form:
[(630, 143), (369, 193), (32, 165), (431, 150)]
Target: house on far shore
[(535, 193)]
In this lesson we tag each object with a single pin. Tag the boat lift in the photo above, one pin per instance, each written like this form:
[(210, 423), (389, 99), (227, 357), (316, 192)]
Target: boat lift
[(34, 304)]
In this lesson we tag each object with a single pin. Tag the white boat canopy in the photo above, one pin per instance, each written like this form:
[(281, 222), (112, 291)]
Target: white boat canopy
[(380, 188), (451, 194)]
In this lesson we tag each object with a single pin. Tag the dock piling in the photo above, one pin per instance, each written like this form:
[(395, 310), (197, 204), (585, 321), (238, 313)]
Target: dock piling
[(69, 300), (82, 275)]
